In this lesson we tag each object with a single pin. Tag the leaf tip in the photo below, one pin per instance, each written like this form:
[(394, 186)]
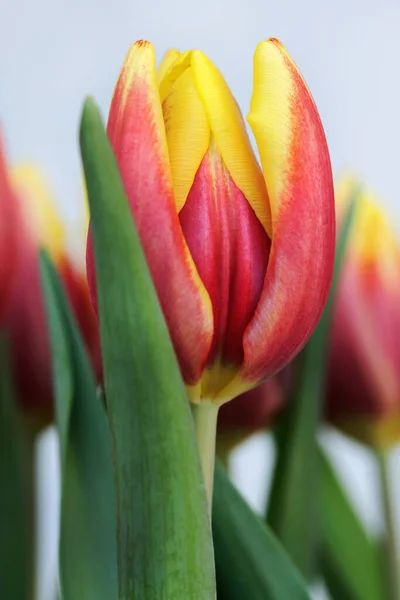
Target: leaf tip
[(91, 120)]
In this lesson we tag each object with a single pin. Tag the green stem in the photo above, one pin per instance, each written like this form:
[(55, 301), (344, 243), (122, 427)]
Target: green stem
[(205, 417), (392, 563)]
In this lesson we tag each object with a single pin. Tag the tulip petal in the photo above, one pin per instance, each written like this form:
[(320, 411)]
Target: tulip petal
[(197, 103), (171, 74), (137, 134), (297, 171), (229, 132), (230, 249), (169, 58), (187, 130)]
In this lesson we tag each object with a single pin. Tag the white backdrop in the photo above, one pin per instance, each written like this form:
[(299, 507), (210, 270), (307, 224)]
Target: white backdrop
[(53, 53)]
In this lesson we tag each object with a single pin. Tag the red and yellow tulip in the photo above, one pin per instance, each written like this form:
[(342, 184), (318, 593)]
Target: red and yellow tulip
[(364, 381), (241, 255), (38, 225)]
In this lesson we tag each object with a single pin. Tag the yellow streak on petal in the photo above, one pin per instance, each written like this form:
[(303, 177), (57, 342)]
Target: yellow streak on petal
[(188, 134), (168, 59), (38, 209), (270, 116), (229, 132)]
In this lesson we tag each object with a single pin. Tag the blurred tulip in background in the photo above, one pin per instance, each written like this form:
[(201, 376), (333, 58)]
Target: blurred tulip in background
[(364, 374), (27, 198)]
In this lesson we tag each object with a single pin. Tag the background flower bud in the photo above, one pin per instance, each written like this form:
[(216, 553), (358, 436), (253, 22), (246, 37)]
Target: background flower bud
[(38, 225), (364, 375)]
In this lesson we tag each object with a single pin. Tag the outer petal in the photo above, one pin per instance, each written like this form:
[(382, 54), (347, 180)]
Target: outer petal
[(137, 133), (8, 236), (297, 171)]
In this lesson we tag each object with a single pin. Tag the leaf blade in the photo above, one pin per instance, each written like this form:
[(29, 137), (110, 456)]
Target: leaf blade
[(15, 541), (87, 548), (250, 561), (144, 394), (349, 558)]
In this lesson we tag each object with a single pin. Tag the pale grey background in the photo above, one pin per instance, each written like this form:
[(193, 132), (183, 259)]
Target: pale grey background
[(53, 53)]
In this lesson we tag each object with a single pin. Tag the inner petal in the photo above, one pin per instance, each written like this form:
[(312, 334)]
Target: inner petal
[(230, 249)]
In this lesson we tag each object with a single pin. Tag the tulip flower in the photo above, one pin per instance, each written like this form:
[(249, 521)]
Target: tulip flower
[(38, 225), (364, 378), (241, 255)]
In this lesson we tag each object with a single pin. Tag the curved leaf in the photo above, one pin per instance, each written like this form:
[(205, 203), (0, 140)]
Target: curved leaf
[(164, 538), (251, 564), (88, 568)]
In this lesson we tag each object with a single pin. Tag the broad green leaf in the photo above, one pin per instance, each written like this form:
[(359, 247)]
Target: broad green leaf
[(88, 568), (294, 499), (15, 535), (251, 564), (164, 537), (350, 560)]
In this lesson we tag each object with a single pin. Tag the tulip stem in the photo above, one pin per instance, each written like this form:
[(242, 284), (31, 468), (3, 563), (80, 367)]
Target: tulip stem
[(205, 417), (391, 551)]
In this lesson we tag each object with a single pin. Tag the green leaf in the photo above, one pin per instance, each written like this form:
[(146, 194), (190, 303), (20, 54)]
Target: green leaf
[(15, 537), (88, 568), (350, 560), (294, 499), (61, 360), (251, 564), (164, 537)]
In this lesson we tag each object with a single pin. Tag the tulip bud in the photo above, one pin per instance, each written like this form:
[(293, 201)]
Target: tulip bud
[(364, 376), (241, 256), (37, 226)]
